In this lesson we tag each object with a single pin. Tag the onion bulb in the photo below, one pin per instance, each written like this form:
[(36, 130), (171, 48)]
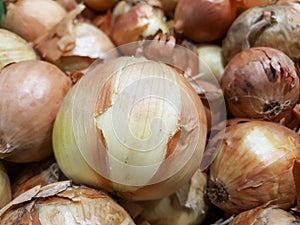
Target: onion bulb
[(260, 215), (73, 45), (63, 203), (204, 20), (141, 132), (276, 26), (261, 83), (31, 93), (5, 189), (253, 167), (32, 18), (243, 5), (13, 48), (101, 5)]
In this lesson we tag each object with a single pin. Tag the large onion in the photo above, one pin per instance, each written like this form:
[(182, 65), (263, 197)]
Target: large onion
[(261, 83), (141, 132), (5, 189), (31, 93), (254, 167), (274, 26), (32, 18)]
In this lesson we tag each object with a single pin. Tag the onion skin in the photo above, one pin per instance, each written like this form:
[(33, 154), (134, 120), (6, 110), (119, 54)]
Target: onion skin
[(76, 163), (254, 167), (204, 20), (5, 188), (261, 83), (31, 93), (275, 26), (32, 18)]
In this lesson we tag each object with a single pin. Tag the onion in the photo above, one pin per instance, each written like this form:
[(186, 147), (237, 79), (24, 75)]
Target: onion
[(261, 83), (169, 7), (5, 189), (31, 93), (254, 167), (13, 48), (263, 214), (101, 5), (274, 26), (204, 20), (32, 18), (68, 5), (63, 203), (243, 5), (73, 45), (293, 3), (141, 134)]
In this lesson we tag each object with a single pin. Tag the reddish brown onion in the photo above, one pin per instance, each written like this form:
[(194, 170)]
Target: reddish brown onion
[(31, 93), (261, 83)]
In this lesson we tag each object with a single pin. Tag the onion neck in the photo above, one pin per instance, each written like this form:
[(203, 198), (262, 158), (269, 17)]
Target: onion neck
[(217, 192)]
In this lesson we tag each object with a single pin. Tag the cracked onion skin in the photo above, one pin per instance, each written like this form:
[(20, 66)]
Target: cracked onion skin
[(31, 93), (254, 167), (98, 149), (261, 83)]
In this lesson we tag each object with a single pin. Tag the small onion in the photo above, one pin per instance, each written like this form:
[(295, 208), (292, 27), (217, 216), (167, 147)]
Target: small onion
[(261, 83), (13, 48), (101, 5), (204, 20), (63, 203), (141, 132), (275, 26), (32, 18), (31, 93), (5, 189), (254, 166)]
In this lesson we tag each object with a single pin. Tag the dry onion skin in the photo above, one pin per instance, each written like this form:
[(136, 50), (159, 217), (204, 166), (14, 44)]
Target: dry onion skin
[(127, 142), (32, 18), (13, 48), (63, 203), (73, 45), (31, 93), (254, 167), (5, 188), (265, 215), (202, 20), (275, 26), (261, 83)]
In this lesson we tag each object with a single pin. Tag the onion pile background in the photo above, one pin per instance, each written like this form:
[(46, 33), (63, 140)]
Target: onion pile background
[(149, 112)]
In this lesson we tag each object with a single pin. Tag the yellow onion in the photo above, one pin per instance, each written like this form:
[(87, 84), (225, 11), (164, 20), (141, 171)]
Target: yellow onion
[(31, 93), (265, 214), (101, 5), (13, 48), (32, 18), (254, 166), (5, 189), (141, 132), (64, 203), (73, 45)]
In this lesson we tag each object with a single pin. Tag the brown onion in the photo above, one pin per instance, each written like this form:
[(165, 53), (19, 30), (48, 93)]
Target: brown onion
[(243, 5), (204, 20), (254, 167), (63, 203), (32, 18), (276, 26), (5, 188), (101, 5), (31, 93), (261, 83)]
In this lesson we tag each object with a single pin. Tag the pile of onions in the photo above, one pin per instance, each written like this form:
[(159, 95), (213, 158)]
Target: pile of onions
[(63, 203), (276, 26), (32, 18), (254, 166), (5, 188), (261, 83), (73, 45), (141, 133), (13, 48), (31, 93), (202, 20)]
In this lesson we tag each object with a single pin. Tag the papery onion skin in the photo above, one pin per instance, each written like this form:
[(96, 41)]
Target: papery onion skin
[(254, 167), (275, 26), (261, 83), (5, 188), (204, 20), (31, 93), (13, 48), (76, 163), (32, 18)]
